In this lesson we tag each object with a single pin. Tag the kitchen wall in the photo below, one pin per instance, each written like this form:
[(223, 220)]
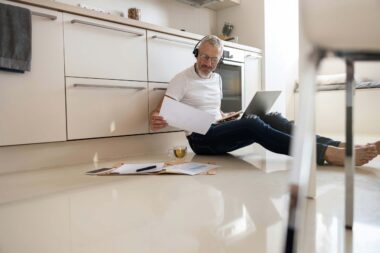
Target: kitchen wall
[(271, 25), (248, 21), (167, 13), (281, 51)]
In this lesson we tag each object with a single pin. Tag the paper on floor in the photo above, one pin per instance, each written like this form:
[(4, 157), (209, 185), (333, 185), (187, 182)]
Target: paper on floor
[(190, 168)]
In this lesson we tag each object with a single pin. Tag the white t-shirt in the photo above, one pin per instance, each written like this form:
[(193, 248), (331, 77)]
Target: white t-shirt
[(202, 93)]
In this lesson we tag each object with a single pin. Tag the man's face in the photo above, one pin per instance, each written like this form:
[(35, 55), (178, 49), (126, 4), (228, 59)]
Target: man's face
[(208, 58)]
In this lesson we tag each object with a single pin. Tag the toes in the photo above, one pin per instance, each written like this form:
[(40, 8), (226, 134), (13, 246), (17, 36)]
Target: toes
[(361, 162)]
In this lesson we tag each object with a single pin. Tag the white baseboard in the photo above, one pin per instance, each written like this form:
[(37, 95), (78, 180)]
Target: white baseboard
[(58, 154)]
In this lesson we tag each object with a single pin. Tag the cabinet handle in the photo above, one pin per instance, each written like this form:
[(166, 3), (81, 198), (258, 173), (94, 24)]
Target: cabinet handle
[(44, 15), (105, 27), (83, 85), (252, 56), (173, 40), (154, 89)]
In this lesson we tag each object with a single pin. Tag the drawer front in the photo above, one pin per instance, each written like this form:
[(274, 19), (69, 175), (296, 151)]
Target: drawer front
[(101, 108), (32, 104), (168, 55), (99, 49), (156, 94)]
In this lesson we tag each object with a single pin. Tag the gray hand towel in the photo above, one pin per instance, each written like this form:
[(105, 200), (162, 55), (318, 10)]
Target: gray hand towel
[(15, 38)]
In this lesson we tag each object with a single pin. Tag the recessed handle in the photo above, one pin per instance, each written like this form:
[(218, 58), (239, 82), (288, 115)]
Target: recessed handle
[(84, 85), (154, 89), (74, 21), (173, 40), (252, 56), (43, 15)]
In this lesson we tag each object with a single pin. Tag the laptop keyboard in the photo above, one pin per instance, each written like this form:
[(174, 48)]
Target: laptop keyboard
[(250, 116)]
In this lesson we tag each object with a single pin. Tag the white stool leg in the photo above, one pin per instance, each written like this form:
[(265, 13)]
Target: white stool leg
[(302, 150), (312, 189), (349, 163)]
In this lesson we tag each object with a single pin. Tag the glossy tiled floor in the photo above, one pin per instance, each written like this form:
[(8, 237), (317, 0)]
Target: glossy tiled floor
[(240, 209)]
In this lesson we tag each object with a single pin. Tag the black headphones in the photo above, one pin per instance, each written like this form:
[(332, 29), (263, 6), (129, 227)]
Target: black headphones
[(196, 50)]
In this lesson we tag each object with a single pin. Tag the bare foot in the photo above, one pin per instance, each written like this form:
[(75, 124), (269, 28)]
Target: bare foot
[(377, 144), (363, 154)]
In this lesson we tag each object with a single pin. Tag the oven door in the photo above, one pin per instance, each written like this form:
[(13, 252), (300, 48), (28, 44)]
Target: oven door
[(232, 74)]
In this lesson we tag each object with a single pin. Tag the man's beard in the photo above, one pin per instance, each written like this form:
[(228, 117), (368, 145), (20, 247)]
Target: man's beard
[(203, 74)]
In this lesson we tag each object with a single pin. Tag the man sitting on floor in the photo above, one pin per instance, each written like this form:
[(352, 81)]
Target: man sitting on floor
[(198, 86)]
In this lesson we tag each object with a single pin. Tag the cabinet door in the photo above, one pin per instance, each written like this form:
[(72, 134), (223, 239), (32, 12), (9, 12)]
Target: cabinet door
[(101, 108), (168, 55), (156, 94), (99, 49), (252, 76), (32, 104)]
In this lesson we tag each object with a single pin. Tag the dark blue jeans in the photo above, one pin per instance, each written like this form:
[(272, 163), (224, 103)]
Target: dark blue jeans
[(272, 131)]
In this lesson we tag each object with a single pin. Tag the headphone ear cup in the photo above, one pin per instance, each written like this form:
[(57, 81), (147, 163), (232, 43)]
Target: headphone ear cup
[(221, 60), (195, 52)]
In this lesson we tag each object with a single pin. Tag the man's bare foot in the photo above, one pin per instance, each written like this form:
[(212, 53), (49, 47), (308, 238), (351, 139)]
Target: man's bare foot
[(363, 154), (377, 144)]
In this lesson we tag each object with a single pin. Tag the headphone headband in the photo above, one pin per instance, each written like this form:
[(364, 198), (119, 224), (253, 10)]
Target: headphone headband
[(196, 50)]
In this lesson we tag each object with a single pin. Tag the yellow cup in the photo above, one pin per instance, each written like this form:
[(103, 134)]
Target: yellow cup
[(178, 151)]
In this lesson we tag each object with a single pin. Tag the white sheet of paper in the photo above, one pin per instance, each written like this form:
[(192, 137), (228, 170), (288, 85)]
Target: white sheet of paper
[(130, 168), (190, 168), (185, 117)]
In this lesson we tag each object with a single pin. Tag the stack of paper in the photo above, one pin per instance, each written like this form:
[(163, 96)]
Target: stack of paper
[(157, 168)]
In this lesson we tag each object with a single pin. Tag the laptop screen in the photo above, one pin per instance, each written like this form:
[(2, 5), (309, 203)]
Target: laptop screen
[(261, 102)]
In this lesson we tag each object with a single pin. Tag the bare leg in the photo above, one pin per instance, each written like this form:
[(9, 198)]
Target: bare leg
[(363, 154)]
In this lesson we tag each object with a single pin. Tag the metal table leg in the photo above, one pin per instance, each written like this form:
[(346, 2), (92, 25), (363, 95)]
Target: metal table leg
[(349, 163)]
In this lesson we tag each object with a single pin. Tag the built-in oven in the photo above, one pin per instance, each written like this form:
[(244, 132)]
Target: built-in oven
[(231, 70)]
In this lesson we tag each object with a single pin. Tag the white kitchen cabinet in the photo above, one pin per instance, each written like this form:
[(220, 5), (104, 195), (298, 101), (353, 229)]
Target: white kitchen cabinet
[(252, 76), (156, 94), (101, 108), (168, 55), (100, 49), (32, 104)]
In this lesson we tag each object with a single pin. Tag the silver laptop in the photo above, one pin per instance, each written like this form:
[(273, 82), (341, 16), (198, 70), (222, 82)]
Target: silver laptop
[(261, 103)]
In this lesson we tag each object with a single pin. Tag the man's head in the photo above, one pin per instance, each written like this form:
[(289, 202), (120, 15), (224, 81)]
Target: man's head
[(209, 52)]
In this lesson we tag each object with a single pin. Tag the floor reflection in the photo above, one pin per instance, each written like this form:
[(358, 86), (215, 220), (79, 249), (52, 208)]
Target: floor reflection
[(243, 208)]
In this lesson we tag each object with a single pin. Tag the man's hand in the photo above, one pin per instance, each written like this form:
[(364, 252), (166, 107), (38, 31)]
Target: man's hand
[(229, 116), (157, 122), (232, 115)]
